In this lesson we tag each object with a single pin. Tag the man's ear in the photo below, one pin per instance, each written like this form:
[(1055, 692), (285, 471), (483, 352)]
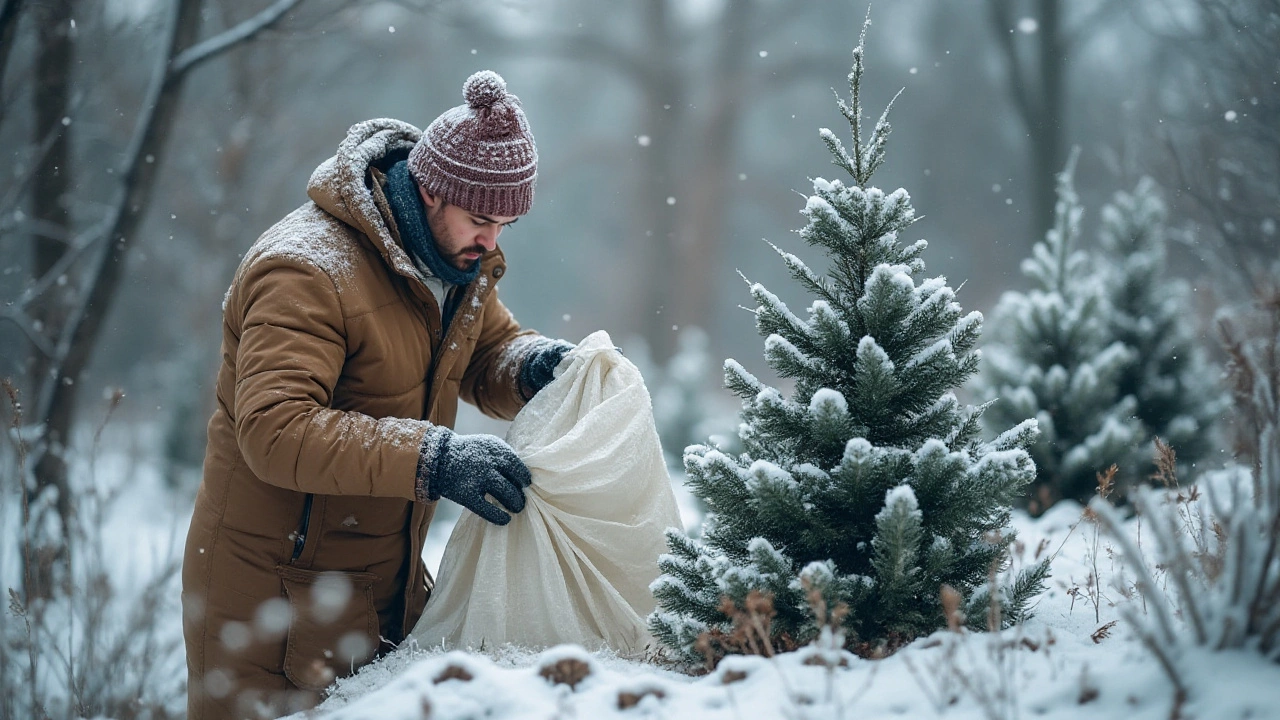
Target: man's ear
[(430, 200)]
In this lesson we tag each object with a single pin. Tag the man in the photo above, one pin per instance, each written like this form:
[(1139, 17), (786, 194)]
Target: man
[(350, 330)]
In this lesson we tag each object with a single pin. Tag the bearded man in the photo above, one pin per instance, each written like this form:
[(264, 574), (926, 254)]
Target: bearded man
[(350, 330)]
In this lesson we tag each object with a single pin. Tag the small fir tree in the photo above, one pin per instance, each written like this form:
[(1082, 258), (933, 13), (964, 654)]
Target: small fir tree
[(869, 486), (1057, 362), (1167, 375)]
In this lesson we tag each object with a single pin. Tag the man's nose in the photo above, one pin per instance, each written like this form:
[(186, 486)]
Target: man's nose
[(488, 238)]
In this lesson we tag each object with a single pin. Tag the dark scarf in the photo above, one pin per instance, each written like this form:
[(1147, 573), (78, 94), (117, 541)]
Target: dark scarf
[(411, 219)]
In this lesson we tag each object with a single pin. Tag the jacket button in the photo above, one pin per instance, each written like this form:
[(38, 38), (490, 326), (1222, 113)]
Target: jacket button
[(497, 272)]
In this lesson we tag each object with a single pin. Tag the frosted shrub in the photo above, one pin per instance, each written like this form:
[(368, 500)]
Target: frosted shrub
[(1220, 553), (1174, 389), (1055, 361), (1101, 350), (90, 645)]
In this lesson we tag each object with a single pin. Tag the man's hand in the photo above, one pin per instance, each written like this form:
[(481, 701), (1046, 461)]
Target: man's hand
[(539, 365), (464, 468)]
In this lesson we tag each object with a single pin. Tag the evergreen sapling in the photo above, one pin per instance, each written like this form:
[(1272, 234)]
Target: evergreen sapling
[(1056, 361), (869, 484), (1167, 375)]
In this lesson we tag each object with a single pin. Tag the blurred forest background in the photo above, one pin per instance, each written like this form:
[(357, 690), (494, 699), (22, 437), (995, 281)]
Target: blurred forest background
[(147, 143), (674, 136)]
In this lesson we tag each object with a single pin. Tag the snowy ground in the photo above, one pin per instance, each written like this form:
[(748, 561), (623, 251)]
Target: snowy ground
[(1051, 667), (1071, 661)]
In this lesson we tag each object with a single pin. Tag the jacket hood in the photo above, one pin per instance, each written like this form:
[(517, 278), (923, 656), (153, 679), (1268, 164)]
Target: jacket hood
[(339, 185)]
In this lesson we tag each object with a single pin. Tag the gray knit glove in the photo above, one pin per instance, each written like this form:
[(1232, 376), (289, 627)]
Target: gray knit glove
[(538, 369), (465, 468)]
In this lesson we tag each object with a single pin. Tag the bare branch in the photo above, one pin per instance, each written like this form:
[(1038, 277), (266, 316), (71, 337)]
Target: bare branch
[(220, 43), (38, 227), (1241, 267), (138, 179), (10, 10), (23, 322), (78, 246), (21, 184)]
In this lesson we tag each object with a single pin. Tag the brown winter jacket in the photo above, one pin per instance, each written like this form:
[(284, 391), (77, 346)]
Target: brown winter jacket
[(305, 545)]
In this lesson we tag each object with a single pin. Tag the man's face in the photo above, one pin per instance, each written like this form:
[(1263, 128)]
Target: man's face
[(462, 237)]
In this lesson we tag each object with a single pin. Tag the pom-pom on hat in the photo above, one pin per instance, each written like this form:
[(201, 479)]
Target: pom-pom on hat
[(480, 156)]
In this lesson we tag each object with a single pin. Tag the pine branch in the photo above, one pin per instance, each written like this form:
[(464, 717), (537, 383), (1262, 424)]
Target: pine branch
[(1029, 584)]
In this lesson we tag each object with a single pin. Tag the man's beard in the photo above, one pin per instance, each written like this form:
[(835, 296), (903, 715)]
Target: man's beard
[(443, 239), (458, 261)]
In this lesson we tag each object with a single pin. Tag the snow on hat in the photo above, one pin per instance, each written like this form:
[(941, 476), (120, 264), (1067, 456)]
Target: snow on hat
[(479, 156)]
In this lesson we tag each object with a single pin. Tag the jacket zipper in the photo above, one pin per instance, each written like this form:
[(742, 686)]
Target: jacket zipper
[(300, 541)]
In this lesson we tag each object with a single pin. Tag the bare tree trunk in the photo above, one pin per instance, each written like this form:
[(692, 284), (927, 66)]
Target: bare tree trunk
[(52, 229), (701, 238), (1049, 152), (1038, 95), (56, 407), (10, 13), (663, 96)]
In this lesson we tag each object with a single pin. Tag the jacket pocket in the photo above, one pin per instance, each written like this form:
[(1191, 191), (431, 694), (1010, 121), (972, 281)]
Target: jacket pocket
[(334, 627)]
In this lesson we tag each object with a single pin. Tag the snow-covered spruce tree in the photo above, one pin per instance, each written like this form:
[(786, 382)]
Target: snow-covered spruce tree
[(869, 484), (1054, 360), (1176, 393)]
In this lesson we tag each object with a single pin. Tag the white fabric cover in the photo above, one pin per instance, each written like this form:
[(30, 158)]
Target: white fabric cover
[(576, 564)]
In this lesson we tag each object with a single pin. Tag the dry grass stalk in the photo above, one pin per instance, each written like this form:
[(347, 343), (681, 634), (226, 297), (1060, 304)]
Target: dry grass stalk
[(1040, 548), (1166, 465), (987, 672), (84, 649), (750, 631), (951, 608), (1106, 485), (1253, 370), (1093, 582), (1102, 633)]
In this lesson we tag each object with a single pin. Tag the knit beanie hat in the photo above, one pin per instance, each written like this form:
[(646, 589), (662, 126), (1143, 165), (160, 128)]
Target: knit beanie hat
[(479, 156)]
